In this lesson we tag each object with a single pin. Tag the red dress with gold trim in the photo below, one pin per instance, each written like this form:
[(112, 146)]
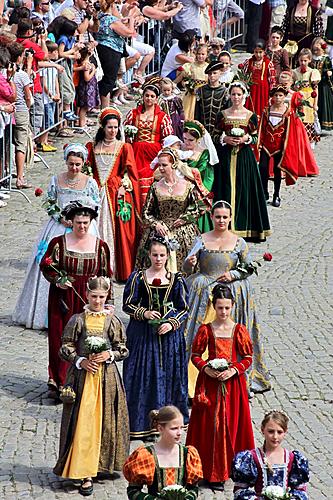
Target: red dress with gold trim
[(263, 80), (148, 142), (225, 419), (125, 238)]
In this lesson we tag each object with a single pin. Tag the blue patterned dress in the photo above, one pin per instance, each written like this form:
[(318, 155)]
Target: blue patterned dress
[(155, 373), (211, 265), (251, 475)]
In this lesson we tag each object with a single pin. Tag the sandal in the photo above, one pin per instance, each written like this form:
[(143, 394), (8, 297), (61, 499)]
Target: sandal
[(23, 184), (65, 132), (87, 491)]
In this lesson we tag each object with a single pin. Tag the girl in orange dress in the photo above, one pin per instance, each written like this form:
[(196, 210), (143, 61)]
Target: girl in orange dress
[(220, 405), (166, 463)]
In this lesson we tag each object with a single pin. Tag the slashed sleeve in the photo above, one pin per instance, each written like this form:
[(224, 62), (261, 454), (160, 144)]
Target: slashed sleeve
[(179, 313), (199, 346), (195, 250), (139, 470), (166, 126), (132, 297), (244, 474), (129, 118), (244, 348), (51, 254), (244, 258), (299, 476), (150, 212), (69, 339), (117, 338)]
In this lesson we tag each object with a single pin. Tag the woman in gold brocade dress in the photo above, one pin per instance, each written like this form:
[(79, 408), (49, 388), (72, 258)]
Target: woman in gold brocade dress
[(94, 434), (173, 206)]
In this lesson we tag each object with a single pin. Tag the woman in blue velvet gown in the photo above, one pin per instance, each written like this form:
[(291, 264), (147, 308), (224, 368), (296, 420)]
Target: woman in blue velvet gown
[(155, 373)]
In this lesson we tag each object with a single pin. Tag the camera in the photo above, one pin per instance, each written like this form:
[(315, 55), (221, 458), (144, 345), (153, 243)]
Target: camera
[(29, 51), (97, 6), (39, 30)]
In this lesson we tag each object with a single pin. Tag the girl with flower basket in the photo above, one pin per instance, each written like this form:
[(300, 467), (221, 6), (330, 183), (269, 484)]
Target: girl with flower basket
[(220, 404), (94, 428), (271, 472), (155, 373), (169, 469)]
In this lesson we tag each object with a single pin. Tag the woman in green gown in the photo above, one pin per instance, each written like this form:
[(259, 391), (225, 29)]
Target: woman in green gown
[(200, 159), (238, 181)]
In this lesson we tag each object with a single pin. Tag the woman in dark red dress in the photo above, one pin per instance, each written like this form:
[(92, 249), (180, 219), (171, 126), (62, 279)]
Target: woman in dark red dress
[(261, 72), (153, 126), (79, 256), (221, 405)]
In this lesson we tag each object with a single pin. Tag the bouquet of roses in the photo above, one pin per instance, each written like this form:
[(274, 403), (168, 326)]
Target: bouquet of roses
[(130, 132), (275, 493), (221, 365), (192, 84), (96, 345), (173, 492)]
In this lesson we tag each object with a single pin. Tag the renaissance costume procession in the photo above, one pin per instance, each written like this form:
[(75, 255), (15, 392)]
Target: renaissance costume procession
[(166, 207)]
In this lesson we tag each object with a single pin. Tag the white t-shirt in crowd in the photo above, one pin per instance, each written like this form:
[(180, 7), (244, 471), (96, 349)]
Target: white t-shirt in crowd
[(170, 63)]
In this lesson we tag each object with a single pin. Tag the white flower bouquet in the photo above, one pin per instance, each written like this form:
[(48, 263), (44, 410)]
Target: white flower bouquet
[(219, 364), (237, 132), (130, 132), (96, 344), (274, 492), (173, 492)]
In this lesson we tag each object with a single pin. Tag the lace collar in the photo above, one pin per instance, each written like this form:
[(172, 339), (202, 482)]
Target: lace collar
[(86, 309)]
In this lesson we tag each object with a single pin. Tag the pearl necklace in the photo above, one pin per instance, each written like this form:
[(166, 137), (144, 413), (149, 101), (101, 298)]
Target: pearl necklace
[(111, 154), (170, 186), (72, 183)]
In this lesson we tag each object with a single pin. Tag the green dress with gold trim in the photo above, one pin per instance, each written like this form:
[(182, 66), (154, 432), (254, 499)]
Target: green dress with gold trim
[(207, 176), (238, 182)]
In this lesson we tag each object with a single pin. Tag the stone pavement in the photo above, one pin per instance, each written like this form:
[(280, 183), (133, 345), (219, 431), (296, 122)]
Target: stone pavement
[(293, 295)]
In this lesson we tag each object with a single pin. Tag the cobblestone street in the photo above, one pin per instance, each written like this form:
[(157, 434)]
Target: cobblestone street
[(294, 298)]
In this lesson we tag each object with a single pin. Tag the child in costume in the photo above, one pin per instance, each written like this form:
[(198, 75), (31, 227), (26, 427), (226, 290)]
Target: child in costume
[(257, 471), (323, 64), (194, 76), (166, 463), (306, 81), (94, 435), (220, 404), (278, 55), (172, 105), (227, 75)]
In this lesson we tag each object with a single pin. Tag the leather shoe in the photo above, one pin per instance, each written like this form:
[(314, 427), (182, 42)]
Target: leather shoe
[(276, 201)]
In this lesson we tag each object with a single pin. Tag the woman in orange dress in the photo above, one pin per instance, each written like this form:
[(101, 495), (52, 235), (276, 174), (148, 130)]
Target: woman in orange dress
[(221, 405), (153, 125), (166, 463), (114, 169)]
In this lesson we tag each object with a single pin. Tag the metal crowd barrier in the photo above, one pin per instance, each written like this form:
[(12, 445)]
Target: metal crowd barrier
[(234, 33)]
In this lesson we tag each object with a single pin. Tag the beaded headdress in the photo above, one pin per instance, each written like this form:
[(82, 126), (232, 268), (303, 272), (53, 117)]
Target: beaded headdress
[(76, 148), (109, 111), (241, 85), (169, 151), (195, 125)]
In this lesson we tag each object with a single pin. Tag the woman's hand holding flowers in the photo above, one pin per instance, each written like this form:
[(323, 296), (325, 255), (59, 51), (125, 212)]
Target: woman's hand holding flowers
[(226, 277), (165, 328), (152, 315), (100, 357), (89, 365), (226, 374), (211, 373)]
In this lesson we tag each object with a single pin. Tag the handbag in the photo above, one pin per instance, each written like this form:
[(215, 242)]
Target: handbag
[(99, 71), (291, 47)]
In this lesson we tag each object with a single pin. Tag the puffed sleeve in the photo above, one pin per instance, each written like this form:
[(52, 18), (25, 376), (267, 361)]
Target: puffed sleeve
[(70, 336), (139, 470), (299, 476), (50, 261), (52, 208), (166, 126), (244, 348), (117, 337), (179, 313), (199, 346), (129, 118), (193, 466), (132, 297), (244, 257), (150, 211), (315, 76), (93, 191), (244, 474)]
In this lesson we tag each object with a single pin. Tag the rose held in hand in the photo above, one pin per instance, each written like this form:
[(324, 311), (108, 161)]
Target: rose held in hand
[(48, 261)]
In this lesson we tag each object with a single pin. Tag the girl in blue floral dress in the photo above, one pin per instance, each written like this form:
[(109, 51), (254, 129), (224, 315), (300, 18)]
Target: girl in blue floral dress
[(271, 468)]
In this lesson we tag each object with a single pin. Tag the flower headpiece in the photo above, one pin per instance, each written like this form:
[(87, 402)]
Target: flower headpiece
[(195, 125), (239, 84), (73, 207), (170, 243), (104, 278), (279, 88), (270, 412), (76, 148), (109, 111)]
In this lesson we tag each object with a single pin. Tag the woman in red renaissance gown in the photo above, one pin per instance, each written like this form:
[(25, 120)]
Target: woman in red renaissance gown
[(116, 174), (80, 255), (153, 126), (220, 404)]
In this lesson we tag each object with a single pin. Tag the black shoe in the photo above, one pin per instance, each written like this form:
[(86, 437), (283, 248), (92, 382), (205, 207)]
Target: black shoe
[(276, 201), (216, 486), (86, 492)]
